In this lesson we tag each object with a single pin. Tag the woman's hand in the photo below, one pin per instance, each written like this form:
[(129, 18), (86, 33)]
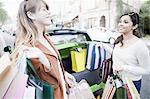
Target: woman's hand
[(70, 79), (33, 52)]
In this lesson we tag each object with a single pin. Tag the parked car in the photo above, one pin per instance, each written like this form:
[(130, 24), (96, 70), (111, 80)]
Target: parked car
[(103, 34), (67, 40)]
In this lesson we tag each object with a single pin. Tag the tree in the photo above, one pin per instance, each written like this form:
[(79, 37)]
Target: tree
[(3, 15), (145, 16)]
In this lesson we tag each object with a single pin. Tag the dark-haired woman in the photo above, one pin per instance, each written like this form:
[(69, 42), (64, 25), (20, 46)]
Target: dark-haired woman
[(130, 55)]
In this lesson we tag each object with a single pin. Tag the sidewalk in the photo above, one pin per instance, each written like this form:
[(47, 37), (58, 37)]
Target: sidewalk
[(147, 40), (145, 91)]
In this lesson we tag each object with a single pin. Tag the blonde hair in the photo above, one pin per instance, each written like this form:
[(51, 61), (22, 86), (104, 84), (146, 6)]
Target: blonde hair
[(27, 31)]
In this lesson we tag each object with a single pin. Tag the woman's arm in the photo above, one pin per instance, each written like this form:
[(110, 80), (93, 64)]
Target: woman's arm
[(35, 53), (143, 58)]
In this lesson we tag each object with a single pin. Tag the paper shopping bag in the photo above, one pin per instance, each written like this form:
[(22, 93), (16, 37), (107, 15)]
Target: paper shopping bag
[(96, 54), (121, 93), (29, 93), (17, 87), (133, 91), (78, 60), (109, 89), (6, 80), (106, 69), (43, 90), (81, 87)]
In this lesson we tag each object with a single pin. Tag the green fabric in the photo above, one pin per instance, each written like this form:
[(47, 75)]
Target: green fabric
[(97, 87), (48, 91), (45, 91), (66, 45), (31, 69), (121, 93)]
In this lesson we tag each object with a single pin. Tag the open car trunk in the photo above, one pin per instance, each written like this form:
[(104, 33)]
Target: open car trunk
[(92, 77)]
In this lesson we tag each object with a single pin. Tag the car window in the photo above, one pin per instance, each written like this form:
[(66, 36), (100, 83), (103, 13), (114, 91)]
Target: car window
[(62, 39)]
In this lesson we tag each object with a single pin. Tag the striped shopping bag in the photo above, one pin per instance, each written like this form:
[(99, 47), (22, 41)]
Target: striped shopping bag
[(96, 54), (109, 89)]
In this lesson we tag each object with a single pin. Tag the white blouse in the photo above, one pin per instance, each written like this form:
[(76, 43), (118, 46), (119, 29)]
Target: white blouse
[(135, 60)]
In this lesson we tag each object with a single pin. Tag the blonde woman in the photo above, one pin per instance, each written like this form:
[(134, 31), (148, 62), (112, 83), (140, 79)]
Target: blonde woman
[(33, 16)]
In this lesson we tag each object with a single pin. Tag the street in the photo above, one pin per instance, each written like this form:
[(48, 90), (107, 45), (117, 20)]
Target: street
[(145, 91)]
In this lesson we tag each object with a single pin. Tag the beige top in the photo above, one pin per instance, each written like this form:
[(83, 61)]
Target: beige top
[(135, 60)]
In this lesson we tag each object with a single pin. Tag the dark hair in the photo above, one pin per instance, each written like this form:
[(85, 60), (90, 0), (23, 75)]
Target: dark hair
[(135, 20)]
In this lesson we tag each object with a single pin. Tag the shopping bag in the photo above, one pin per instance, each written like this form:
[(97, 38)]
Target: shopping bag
[(82, 87), (17, 87), (109, 89), (106, 69), (6, 79), (29, 93), (78, 58), (96, 54), (43, 90), (121, 93), (132, 88), (97, 87), (9, 69), (128, 92)]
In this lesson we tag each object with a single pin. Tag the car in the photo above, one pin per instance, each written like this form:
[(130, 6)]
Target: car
[(67, 40), (103, 34)]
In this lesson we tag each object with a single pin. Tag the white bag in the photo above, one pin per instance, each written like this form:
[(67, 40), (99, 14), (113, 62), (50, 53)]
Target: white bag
[(81, 91), (29, 93)]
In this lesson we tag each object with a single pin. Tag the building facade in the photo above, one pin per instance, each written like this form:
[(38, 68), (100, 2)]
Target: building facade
[(105, 13), (94, 13)]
